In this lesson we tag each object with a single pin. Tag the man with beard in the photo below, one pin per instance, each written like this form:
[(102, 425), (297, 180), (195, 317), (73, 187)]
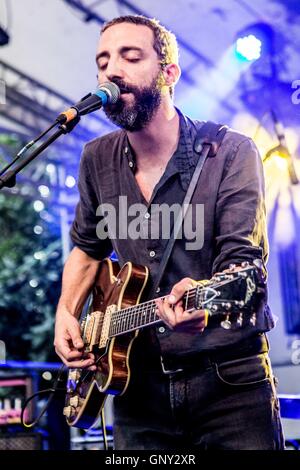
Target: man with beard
[(191, 386)]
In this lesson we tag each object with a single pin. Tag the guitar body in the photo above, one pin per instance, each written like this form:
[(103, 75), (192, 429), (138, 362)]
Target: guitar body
[(87, 390)]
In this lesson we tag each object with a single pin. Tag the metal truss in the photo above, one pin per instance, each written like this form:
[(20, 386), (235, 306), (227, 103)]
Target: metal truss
[(34, 106)]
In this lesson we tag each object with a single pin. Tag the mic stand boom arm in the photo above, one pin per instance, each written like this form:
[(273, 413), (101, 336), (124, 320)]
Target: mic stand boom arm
[(9, 178)]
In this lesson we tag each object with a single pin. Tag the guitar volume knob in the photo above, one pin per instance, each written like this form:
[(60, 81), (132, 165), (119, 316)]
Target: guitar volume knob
[(75, 401), (69, 411)]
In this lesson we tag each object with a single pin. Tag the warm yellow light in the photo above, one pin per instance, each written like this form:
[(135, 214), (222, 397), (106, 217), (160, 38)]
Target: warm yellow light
[(280, 161)]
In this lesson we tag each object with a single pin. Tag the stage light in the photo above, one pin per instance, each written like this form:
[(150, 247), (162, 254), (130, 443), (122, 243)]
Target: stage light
[(249, 47), (280, 161), (38, 206), (39, 255), (254, 41), (70, 181), (44, 190), (47, 375), (50, 168), (38, 229)]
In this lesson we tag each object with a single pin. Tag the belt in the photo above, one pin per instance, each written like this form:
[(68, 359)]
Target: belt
[(204, 359)]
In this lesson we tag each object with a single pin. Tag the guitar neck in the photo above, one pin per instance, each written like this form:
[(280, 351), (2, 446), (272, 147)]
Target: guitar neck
[(144, 314)]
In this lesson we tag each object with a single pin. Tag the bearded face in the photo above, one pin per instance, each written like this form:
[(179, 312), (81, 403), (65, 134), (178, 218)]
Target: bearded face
[(136, 105)]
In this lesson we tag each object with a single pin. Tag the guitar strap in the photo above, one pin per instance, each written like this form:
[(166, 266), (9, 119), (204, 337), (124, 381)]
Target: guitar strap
[(206, 144)]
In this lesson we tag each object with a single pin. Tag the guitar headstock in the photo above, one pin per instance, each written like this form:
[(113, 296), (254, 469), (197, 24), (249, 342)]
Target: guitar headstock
[(234, 295)]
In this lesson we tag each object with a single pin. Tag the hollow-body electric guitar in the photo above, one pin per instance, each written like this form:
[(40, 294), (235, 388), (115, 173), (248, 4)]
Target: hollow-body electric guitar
[(116, 316)]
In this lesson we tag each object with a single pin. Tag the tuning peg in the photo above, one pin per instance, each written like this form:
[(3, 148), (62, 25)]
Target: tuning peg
[(240, 320), (226, 305), (226, 324), (253, 319), (258, 263), (245, 264)]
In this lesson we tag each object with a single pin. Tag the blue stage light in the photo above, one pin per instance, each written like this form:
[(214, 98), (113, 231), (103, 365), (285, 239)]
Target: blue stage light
[(254, 41), (249, 47)]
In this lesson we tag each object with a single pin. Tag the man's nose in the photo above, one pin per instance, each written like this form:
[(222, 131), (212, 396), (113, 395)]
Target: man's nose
[(113, 70)]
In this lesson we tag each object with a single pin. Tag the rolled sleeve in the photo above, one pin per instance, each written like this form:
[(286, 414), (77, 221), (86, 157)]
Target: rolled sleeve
[(83, 231), (240, 223)]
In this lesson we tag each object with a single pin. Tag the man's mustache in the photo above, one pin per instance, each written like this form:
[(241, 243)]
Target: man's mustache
[(124, 87)]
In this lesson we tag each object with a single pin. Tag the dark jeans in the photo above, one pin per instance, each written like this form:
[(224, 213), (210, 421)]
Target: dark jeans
[(227, 405)]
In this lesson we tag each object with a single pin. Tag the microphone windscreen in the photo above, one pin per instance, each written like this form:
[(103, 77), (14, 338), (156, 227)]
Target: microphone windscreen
[(112, 91)]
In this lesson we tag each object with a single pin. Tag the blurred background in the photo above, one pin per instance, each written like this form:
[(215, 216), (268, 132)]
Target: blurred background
[(240, 66)]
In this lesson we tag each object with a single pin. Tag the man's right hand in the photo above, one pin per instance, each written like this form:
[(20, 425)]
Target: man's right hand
[(68, 342)]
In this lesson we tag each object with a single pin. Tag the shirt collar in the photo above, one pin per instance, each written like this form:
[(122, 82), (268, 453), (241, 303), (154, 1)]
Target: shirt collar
[(183, 161)]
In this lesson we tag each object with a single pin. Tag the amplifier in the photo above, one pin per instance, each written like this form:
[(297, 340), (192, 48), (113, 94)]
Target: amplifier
[(20, 441)]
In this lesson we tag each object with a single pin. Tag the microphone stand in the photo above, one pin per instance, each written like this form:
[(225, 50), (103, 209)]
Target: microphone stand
[(9, 178)]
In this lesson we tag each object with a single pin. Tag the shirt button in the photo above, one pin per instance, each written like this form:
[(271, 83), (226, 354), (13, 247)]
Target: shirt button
[(158, 290), (130, 164), (147, 215), (161, 329), (152, 254), (126, 150)]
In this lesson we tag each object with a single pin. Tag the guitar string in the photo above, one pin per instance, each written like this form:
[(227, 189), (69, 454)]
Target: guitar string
[(122, 316), (191, 296)]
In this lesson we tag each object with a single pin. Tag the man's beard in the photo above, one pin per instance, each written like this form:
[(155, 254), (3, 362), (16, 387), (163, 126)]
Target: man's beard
[(135, 116)]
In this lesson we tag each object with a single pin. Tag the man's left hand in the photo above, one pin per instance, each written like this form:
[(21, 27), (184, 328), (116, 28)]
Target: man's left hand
[(171, 310)]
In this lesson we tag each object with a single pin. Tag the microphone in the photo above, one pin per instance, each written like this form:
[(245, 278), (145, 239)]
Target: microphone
[(283, 148), (107, 93)]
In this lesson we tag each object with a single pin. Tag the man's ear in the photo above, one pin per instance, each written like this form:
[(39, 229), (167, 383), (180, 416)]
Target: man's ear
[(171, 74)]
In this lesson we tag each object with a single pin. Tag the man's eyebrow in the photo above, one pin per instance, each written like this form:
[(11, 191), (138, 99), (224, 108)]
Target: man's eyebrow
[(123, 50)]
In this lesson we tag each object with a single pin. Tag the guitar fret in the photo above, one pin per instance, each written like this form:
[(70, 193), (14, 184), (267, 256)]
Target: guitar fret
[(186, 301), (132, 318)]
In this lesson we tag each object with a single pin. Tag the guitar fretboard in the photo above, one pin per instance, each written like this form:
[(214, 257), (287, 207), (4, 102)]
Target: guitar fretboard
[(141, 315)]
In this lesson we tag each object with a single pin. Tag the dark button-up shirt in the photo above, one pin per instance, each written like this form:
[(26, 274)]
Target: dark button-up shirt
[(230, 223)]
